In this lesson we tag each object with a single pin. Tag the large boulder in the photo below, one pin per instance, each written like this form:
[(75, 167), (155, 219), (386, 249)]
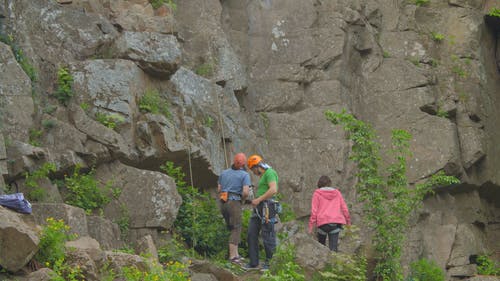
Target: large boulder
[(18, 239), (73, 217), (157, 54), (150, 198)]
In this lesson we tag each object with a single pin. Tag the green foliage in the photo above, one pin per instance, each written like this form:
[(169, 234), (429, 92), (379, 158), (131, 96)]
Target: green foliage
[(422, 2), (52, 239), (157, 4), (386, 54), (35, 192), (48, 124), (199, 220), (173, 271), (209, 121), (486, 266), (20, 57), (64, 85), (494, 12), (436, 36), (388, 200), (124, 221), (85, 106), (172, 250), (34, 137), (49, 109), (109, 120), (283, 266), (85, 191), (442, 113), (458, 70), (205, 69), (343, 267), (425, 270), (152, 102), (65, 272)]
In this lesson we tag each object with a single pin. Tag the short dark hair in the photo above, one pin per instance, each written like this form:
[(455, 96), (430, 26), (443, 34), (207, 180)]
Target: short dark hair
[(324, 181)]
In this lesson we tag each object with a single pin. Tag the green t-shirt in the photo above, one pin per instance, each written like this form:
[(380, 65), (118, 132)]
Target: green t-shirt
[(269, 175)]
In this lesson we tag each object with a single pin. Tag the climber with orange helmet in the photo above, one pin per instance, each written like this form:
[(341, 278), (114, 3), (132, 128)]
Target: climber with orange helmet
[(264, 214), (233, 186)]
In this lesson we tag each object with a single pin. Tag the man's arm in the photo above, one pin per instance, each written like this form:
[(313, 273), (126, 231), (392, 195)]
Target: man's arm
[(273, 189)]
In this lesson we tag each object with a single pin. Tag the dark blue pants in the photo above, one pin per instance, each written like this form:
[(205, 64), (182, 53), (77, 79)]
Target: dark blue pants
[(268, 233)]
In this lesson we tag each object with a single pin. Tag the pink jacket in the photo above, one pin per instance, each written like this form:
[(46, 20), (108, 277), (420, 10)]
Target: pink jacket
[(328, 206)]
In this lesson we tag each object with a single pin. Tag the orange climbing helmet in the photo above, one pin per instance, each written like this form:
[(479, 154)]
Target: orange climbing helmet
[(253, 160)]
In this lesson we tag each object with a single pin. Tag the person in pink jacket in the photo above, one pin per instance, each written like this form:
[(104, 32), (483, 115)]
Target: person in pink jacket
[(328, 212)]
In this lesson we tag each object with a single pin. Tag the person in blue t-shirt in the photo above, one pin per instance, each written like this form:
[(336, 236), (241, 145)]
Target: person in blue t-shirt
[(233, 186)]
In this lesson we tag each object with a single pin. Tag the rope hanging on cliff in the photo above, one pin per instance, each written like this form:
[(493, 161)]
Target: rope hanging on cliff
[(189, 151), (221, 126)]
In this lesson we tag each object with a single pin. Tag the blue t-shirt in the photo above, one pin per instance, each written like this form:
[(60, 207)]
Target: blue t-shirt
[(233, 181)]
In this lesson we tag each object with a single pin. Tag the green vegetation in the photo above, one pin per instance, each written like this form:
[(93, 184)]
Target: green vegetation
[(35, 192), (157, 4), (427, 270), (52, 254), (48, 124), (386, 54), (494, 12), (109, 120), (205, 69), (486, 266), (172, 250), (49, 109), (64, 85), (283, 266), (459, 71), (199, 221), (85, 191), (387, 199), (436, 36), (343, 267), (20, 57), (85, 106), (172, 271), (209, 122), (34, 137), (442, 113), (123, 222), (422, 2), (152, 102)]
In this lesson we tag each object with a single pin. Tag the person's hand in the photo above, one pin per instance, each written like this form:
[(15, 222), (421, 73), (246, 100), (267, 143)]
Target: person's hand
[(255, 202)]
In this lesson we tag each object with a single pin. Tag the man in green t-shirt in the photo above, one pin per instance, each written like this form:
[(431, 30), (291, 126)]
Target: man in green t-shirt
[(263, 217)]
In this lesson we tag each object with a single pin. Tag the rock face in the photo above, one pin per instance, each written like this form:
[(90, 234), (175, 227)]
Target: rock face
[(18, 239), (256, 76)]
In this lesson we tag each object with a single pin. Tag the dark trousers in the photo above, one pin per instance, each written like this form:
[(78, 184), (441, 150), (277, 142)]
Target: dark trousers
[(268, 233), (333, 238)]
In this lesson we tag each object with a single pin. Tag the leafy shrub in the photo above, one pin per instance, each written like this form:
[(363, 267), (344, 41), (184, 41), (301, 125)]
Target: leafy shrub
[(85, 191), (152, 102), (34, 137), (205, 69), (109, 120), (52, 239), (157, 4), (199, 220), (436, 36), (64, 85), (172, 250), (494, 12), (48, 124), (343, 267), (283, 266), (35, 193), (65, 272), (425, 270), (173, 271), (486, 266), (422, 2)]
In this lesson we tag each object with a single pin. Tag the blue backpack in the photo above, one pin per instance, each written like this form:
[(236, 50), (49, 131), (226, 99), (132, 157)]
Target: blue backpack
[(16, 202)]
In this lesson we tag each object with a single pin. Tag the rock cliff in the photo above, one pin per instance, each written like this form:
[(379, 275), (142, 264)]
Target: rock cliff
[(256, 76)]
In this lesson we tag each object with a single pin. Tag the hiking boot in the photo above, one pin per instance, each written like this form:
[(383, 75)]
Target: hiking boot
[(264, 267), (249, 267)]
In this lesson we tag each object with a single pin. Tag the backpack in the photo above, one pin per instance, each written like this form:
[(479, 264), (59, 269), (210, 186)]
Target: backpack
[(16, 202)]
